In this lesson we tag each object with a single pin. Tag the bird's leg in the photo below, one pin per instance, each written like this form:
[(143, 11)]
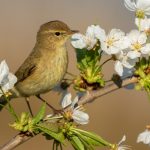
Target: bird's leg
[(28, 104), (54, 110)]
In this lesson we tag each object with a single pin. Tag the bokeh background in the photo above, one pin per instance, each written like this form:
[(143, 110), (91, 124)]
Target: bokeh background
[(111, 116)]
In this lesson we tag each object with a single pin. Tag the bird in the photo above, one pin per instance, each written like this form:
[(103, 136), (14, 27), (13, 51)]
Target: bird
[(46, 65)]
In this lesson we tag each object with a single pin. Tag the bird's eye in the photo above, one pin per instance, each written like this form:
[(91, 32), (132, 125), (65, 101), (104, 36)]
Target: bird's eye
[(57, 33)]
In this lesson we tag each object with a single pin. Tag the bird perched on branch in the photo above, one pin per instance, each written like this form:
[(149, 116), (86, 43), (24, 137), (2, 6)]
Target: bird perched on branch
[(46, 65)]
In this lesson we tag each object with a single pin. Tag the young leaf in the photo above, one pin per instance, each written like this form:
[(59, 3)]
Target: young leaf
[(87, 145), (92, 136), (76, 143), (88, 142), (56, 135), (40, 115)]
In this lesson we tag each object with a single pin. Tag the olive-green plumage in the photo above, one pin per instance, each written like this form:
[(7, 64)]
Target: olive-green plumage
[(46, 65)]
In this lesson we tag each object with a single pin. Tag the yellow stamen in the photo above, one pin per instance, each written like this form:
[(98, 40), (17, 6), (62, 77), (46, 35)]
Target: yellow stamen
[(68, 114), (136, 46), (110, 42), (140, 14), (7, 94)]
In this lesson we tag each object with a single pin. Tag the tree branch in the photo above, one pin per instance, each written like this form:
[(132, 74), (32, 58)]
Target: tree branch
[(16, 141), (88, 97), (92, 95)]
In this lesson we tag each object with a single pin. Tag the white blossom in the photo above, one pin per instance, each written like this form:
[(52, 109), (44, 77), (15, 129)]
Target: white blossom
[(7, 79), (137, 41), (141, 6), (123, 61), (143, 24), (88, 40), (119, 146), (79, 41), (114, 42), (144, 137), (77, 115)]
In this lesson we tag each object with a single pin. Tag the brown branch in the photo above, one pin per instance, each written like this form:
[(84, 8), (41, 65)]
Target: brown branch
[(16, 141), (92, 95), (88, 97)]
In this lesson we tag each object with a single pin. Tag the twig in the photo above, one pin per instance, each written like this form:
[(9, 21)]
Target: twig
[(90, 96)]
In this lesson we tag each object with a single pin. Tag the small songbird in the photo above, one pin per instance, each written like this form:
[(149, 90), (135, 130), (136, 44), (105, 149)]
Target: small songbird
[(46, 65)]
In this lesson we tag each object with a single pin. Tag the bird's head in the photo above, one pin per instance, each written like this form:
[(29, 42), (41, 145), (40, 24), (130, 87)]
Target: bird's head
[(54, 32)]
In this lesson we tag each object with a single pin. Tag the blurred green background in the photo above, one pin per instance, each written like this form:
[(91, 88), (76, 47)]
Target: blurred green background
[(111, 116)]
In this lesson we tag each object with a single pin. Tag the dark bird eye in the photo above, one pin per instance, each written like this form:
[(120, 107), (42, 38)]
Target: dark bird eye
[(57, 33)]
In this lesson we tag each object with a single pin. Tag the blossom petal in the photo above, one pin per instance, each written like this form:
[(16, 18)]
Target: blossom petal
[(142, 38), (144, 137), (146, 49), (12, 79), (112, 50), (80, 117), (4, 71), (117, 33), (75, 101), (122, 140), (78, 41), (133, 36), (99, 33), (66, 100), (129, 63), (90, 32), (133, 54), (143, 4), (130, 4), (143, 24), (119, 68)]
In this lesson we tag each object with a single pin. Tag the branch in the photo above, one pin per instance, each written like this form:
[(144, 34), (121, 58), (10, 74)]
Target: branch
[(88, 97), (16, 141), (92, 95)]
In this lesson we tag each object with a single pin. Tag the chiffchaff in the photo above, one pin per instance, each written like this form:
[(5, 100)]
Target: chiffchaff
[(46, 65)]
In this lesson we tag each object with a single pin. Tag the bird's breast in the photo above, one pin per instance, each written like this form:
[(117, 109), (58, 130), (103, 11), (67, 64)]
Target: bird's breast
[(52, 69)]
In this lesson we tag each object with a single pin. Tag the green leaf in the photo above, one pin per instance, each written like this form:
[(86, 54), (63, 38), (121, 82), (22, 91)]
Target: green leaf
[(39, 115), (92, 136), (89, 141), (86, 144), (56, 135), (80, 53), (76, 143)]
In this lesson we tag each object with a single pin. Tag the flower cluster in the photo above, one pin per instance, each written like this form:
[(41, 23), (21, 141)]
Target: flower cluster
[(126, 48)]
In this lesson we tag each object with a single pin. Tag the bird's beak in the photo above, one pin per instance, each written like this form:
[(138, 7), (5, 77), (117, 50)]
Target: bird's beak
[(73, 32)]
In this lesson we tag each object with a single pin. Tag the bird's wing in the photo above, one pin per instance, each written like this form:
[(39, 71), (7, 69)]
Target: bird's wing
[(26, 69), (29, 65)]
